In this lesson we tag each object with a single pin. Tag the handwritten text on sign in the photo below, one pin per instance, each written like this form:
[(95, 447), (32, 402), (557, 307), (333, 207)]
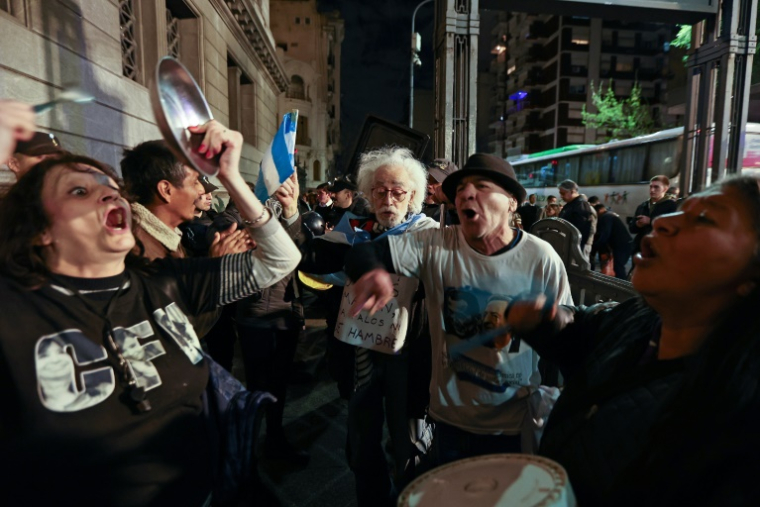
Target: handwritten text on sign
[(384, 331)]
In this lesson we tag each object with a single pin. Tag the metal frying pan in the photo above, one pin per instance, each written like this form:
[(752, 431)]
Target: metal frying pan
[(178, 103)]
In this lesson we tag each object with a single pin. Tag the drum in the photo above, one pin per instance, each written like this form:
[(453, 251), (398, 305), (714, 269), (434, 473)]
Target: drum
[(494, 480)]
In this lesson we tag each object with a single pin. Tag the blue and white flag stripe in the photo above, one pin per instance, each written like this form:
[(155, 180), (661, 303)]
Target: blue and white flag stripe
[(277, 164)]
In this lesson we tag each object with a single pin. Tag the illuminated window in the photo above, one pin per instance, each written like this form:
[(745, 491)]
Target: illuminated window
[(580, 42)]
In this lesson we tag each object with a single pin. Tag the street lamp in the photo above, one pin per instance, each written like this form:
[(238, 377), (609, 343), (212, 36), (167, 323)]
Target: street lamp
[(415, 61)]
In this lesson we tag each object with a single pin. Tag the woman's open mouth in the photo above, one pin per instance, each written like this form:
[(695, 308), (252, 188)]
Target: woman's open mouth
[(117, 219)]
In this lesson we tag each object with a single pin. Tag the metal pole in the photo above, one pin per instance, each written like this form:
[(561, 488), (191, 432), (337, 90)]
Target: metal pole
[(411, 67)]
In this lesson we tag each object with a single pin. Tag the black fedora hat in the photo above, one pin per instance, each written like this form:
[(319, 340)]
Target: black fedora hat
[(494, 168)]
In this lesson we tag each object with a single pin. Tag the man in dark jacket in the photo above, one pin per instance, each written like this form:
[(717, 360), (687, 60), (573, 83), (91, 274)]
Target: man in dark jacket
[(612, 237), (529, 212), (658, 204), (578, 212)]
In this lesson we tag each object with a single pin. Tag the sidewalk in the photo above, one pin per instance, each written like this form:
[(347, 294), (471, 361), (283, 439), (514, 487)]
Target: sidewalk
[(315, 420)]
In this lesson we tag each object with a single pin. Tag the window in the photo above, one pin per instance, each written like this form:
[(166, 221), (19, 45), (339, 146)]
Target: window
[(172, 34), (130, 62), (580, 41), (663, 158), (182, 36), (594, 169), (308, 21), (317, 172), (298, 21), (296, 89), (624, 67), (628, 164), (283, 46), (302, 131), (15, 8), (242, 101)]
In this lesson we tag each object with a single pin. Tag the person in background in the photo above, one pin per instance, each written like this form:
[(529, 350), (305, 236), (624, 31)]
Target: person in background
[(42, 145), (164, 193), (551, 199), (662, 395), (268, 324), (195, 232), (346, 199), (657, 204), (529, 212), (612, 238), (324, 202), (437, 172), (578, 212)]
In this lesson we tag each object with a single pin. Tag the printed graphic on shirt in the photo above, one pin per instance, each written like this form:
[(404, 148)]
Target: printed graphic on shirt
[(140, 355), (469, 315), (56, 359), (176, 323)]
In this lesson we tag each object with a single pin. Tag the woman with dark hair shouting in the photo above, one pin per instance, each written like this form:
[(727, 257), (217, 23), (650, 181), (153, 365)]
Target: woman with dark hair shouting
[(101, 372)]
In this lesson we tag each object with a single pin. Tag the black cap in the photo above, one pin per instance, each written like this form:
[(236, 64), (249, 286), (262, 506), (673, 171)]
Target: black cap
[(42, 143), (494, 168), (343, 185), (207, 185)]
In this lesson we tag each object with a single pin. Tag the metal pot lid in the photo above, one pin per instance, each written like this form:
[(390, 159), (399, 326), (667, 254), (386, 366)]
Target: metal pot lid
[(178, 103)]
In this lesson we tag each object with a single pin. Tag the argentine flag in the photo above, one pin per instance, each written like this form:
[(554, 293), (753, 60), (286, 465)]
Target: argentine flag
[(277, 165)]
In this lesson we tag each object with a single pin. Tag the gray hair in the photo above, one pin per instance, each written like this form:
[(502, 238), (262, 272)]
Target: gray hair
[(568, 185), (371, 161)]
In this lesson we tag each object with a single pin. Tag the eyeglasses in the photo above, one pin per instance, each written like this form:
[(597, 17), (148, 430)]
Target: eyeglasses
[(397, 194)]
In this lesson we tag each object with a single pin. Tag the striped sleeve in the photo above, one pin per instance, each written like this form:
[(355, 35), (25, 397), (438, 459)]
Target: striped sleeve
[(246, 273)]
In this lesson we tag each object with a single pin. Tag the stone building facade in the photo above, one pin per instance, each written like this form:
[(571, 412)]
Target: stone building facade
[(110, 49), (309, 45)]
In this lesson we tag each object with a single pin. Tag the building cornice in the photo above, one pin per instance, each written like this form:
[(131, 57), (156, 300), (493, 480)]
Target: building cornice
[(243, 19)]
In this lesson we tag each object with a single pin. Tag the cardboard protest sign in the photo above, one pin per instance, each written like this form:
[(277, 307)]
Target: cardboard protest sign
[(384, 331)]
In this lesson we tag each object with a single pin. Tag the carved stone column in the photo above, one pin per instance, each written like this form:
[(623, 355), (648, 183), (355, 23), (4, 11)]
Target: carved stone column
[(457, 24)]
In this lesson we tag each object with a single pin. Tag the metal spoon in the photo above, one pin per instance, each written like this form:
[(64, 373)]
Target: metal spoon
[(73, 94)]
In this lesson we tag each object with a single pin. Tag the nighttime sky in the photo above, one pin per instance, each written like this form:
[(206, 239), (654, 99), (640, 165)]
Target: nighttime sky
[(376, 53)]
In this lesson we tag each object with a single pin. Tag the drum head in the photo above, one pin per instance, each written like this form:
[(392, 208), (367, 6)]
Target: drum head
[(507, 480), (178, 103)]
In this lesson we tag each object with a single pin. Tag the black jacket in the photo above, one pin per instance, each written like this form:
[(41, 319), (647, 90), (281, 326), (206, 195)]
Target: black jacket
[(578, 212), (611, 233), (603, 417), (661, 207)]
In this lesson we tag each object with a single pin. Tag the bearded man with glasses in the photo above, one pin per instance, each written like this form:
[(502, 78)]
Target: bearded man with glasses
[(383, 386)]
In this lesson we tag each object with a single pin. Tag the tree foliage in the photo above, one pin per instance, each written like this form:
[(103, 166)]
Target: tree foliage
[(621, 119)]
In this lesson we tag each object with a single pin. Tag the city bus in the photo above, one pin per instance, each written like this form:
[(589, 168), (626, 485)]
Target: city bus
[(618, 172)]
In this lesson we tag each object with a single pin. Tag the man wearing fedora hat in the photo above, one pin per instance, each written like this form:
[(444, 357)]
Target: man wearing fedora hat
[(482, 390)]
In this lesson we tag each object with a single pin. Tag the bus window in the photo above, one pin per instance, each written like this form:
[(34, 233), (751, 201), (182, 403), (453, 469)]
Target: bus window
[(629, 166), (567, 169), (594, 169), (525, 174), (663, 159)]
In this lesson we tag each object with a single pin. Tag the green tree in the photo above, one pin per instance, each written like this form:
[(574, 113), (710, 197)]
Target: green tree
[(621, 119)]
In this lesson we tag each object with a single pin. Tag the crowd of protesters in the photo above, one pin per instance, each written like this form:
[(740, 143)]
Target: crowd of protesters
[(124, 297)]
